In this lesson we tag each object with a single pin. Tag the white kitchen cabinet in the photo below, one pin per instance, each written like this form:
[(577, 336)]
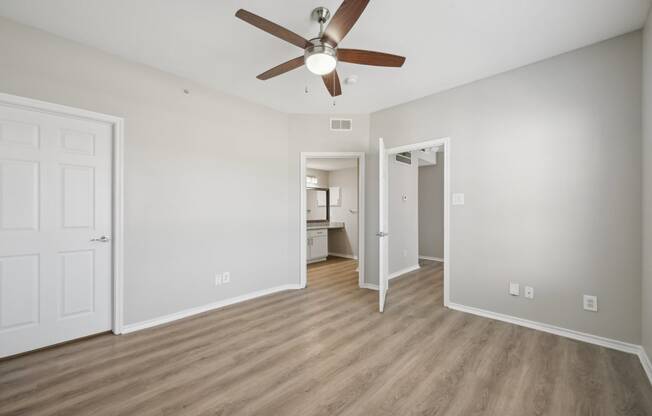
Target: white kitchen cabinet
[(317, 245)]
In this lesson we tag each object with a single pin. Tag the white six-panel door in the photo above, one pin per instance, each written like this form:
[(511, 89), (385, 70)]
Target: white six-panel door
[(55, 199)]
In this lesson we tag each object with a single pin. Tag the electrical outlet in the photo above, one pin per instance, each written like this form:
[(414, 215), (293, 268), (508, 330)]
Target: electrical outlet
[(226, 277), (590, 303), (218, 279), (529, 292), (514, 289)]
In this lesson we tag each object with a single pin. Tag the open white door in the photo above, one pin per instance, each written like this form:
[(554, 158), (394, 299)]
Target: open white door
[(383, 220)]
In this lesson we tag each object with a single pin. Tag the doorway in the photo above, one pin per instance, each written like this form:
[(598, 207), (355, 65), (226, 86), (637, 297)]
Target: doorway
[(330, 205), (60, 224), (384, 234)]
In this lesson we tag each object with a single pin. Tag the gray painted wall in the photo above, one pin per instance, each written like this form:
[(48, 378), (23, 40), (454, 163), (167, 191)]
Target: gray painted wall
[(403, 215), (345, 241), (561, 211), (549, 157), (186, 218), (647, 189), (431, 209)]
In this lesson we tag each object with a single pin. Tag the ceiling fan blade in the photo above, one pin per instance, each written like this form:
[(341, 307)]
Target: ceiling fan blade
[(343, 20), (332, 82), (272, 28), (282, 69), (362, 57)]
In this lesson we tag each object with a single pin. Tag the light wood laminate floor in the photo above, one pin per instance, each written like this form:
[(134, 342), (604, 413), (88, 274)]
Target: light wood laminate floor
[(327, 351)]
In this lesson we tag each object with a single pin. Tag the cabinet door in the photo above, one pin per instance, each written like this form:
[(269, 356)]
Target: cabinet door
[(319, 247), (308, 248)]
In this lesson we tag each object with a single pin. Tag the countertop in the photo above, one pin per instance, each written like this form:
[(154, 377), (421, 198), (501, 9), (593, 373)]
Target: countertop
[(326, 225)]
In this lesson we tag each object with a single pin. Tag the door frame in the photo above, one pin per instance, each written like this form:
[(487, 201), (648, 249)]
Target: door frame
[(446, 143), (117, 177), (360, 156)]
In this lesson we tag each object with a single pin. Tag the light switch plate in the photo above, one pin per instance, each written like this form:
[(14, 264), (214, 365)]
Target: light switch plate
[(514, 289), (458, 199)]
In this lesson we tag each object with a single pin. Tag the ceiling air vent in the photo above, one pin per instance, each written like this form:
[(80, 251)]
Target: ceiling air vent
[(341, 124), (405, 157)]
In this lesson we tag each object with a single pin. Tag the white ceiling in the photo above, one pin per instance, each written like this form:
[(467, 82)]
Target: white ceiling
[(331, 164), (447, 42)]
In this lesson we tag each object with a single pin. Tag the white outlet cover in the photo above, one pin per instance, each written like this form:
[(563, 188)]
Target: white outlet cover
[(218, 279), (514, 289), (226, 277), (529, 292), (458, 199), (590, 303)]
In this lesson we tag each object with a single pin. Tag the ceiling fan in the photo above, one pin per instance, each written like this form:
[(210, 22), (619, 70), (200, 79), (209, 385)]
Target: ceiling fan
[(321, 54)]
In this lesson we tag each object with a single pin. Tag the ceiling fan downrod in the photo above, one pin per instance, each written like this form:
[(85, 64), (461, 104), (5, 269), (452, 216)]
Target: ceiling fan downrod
[(321, 16)]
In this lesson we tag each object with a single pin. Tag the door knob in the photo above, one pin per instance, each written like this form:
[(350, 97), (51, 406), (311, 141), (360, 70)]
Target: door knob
[(103, 239), (382, 234)]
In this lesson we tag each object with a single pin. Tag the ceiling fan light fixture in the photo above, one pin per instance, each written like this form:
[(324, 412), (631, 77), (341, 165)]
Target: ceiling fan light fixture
[(321, 59), (321, 54)]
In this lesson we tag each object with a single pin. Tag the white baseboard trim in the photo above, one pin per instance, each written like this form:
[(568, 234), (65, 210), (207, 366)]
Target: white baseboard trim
[(138, 326), (552, 329), (369, 286), (439, 259), (645, 362), (403, 271), (346, 256)]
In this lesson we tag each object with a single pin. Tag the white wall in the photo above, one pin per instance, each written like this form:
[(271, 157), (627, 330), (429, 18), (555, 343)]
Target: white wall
[(186, 217), (403, 180), (344, 241), (646, 322), (431, 209), (549, 157), (193, 185)]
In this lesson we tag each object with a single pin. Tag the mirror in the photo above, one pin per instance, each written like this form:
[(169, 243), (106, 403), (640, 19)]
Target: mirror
[(317, 204)]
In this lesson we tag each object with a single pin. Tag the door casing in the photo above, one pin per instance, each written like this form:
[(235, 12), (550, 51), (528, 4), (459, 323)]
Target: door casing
[(360, 156), (117, 124), (446, 143)]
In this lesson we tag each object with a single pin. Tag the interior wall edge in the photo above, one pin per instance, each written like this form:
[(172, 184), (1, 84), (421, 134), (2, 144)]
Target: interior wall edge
[(646, 275)]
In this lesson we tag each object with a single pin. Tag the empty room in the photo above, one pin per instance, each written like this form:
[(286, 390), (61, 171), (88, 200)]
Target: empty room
[(337, 207)]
